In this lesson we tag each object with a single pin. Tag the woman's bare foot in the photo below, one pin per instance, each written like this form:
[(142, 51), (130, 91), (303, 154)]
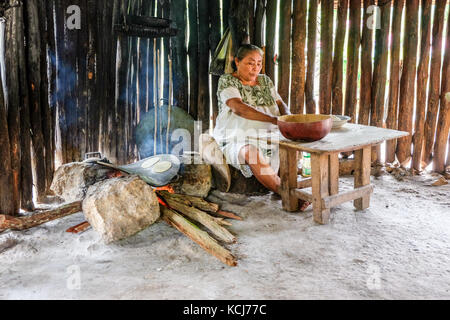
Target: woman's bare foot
[(303, 205)]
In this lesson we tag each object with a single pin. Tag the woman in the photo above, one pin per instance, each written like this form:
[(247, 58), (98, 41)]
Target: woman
[(248, 104)]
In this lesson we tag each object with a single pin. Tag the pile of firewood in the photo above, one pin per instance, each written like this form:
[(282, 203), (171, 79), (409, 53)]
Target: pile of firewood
[(178, 210), (182, 211)]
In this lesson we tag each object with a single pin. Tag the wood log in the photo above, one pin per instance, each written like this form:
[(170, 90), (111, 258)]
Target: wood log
[(284, 56), (392, 115), (271, 16), (338, 62), (442, 142), (202, 68), (380, 73), (193, 58), (36, 219), (434, 92), (353, 59), (26, 174), (202, 238), (202, 217), (407, 81), (6, 177), (79, 227), (298, 57), (214, 39), (366, 65), (45, 9), (422, 82), (311, 57), (228, 214), (147, 21), (33, 34), (259, 16), (197, 202), (326, 56)]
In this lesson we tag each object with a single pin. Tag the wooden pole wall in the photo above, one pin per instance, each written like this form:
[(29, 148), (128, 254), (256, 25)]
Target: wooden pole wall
[(75, 91)]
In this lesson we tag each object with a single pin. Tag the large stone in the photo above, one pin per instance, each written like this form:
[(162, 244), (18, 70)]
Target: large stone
[(120, 207), (71, 180)]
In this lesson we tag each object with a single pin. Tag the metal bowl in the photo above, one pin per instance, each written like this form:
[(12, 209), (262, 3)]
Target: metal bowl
[(339, 121), (305, 127)]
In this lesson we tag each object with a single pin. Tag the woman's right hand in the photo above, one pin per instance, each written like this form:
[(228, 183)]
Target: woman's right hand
[(274, 120)]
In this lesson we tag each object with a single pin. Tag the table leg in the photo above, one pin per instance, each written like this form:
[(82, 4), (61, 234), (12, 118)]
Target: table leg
[(333, 172), (288, 176), (362, 175), (320, 186)]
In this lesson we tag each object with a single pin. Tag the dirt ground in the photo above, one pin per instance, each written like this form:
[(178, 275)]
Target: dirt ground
[(399, 248)]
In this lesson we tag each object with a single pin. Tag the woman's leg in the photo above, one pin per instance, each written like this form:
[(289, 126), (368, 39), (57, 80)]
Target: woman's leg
[(262, 170)]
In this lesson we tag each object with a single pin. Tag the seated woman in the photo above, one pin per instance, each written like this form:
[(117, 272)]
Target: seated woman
[(249, 103)]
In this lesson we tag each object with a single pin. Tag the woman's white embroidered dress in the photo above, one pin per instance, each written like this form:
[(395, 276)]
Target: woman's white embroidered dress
[(231, 130)]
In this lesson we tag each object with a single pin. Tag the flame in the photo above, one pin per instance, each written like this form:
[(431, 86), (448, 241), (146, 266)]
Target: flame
[(165, 188), (114, 174)]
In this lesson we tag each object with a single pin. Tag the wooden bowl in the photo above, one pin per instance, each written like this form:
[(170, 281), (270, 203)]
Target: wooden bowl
[(306, 127)]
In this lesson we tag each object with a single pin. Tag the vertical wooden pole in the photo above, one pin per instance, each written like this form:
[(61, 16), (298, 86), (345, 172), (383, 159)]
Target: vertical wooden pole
[(392, 115), (288, 176), (326, 56), (46, 90), (259, 15), (284, 65), (214, 39), (362, 175), (33, 35), (179, 54), (298, 56), (353, 59), (193, 58), (380, 73), (311, 57), (443, 125), (166, 10), (333, 173), (251, 20), (435, 82), (338, 62), (26, 174), (203, 66), (407, 81), (6, 177), (422, 81), (366, 64), (320, 187), (12, 83), (271, 15)]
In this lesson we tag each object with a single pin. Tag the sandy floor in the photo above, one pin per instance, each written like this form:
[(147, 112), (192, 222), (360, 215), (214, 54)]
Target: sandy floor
[(399, 248)]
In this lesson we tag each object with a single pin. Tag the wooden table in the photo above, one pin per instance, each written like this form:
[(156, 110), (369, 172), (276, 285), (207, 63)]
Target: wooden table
[(325, 168)]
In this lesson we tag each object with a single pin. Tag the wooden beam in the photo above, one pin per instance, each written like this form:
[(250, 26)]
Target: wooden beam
[(337, 199), (303, 195), (422, 84), (392, 114), (298, 57), (326, 56), (338, 62), (434, 86), (288, 176), (319, 174), (353, 59), (311, 57), (407, 82), (362, 176)]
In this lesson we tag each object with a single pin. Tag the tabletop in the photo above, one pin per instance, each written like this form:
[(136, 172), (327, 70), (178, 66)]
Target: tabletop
[(349, 137)]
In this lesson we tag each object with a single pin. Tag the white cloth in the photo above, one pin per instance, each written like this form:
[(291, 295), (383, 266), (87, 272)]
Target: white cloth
[(231, 131)]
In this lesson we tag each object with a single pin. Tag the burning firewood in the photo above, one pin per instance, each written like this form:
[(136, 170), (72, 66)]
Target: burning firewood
[(200, 216), (79, 227), (202, 238), (22, 223)]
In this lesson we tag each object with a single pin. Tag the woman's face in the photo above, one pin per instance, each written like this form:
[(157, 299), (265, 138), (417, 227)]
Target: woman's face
[(250, 66)]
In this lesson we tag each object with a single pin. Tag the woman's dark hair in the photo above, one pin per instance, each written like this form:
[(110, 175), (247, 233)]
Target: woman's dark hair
[(243, 51)]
